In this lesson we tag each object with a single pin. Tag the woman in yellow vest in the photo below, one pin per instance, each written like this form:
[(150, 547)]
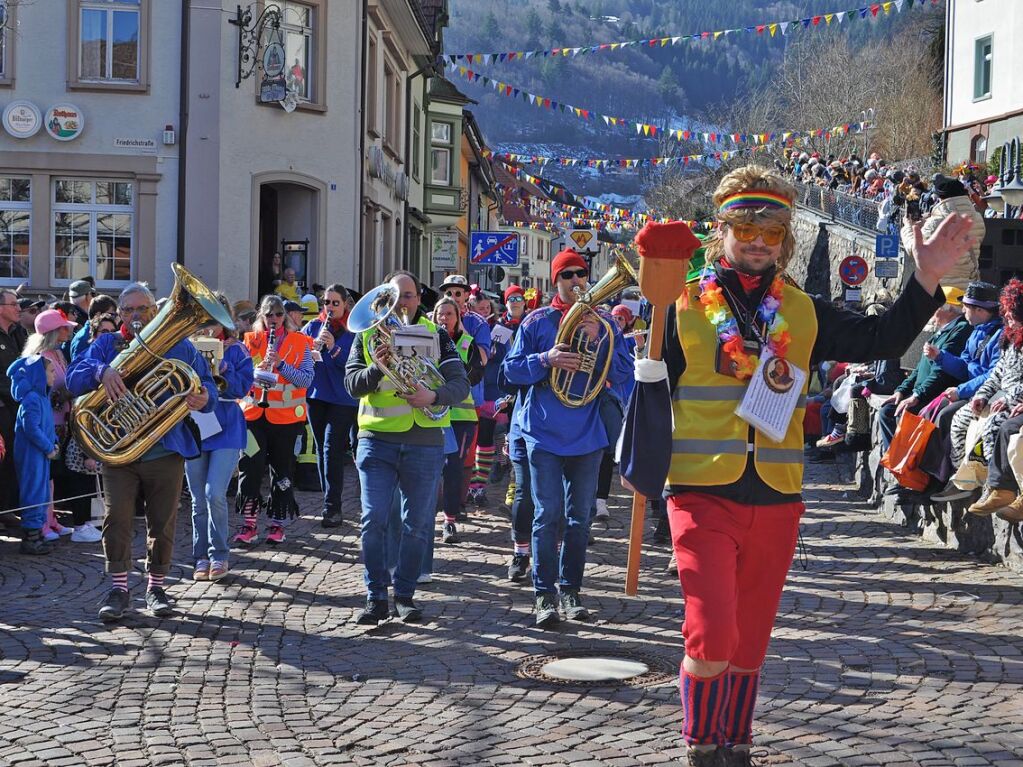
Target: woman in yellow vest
[(275, 414), (743, 335), (446, 315)]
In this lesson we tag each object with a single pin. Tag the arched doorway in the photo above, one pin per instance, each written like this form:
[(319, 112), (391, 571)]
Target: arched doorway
[(288, 230)]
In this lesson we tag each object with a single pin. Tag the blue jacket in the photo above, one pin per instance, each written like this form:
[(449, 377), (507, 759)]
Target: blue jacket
[(479, 329), (80, 341), (546, 423), (974, 365), (624, 389), (236, 369), (34, 437), (84, 374), (329, 374)]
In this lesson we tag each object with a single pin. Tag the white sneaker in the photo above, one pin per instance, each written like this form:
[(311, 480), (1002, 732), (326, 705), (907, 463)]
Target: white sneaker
[(425, 578), (51, 535), (86, 534), (602, 512)]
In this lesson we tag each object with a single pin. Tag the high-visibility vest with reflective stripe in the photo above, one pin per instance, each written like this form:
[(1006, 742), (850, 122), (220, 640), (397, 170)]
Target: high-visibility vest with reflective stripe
[(710, 442), (286, 401), (384, 410), (466, 410)]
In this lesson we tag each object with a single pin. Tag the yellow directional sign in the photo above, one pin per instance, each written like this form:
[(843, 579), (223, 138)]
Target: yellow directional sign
[(585, 240)]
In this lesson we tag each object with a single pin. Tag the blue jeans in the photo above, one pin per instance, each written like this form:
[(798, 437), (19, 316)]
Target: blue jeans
[(522, 503), (415, 470), (332, 426), (454, 467), (208, 477), (564, 488)]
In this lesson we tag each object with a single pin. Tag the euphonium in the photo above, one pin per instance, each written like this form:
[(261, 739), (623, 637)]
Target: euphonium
[(378, 310), (620, 276), (121, 432)]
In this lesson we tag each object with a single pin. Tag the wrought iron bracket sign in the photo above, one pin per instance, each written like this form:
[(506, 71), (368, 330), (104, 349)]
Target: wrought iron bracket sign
[(255, 52)]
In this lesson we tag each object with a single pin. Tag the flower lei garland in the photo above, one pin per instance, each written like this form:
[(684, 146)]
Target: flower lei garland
[(715, 307)]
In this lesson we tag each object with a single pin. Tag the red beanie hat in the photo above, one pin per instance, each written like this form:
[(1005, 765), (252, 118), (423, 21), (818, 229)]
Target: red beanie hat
[(513, 290), (565, 260)]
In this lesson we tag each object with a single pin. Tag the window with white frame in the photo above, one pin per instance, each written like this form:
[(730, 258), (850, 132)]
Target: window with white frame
[(93, 229), (440, 153), (297, 20), (108, 40), (982, 67), (15, 228)]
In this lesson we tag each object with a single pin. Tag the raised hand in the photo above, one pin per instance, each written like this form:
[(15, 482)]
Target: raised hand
[(935, 257)]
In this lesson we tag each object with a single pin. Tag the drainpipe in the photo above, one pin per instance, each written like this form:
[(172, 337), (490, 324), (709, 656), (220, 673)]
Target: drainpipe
[(186, 14), (359, 213), (406, 229)]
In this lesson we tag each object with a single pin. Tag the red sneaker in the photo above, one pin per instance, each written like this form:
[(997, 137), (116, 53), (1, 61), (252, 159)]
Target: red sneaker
[(248, 535), (276, 535)]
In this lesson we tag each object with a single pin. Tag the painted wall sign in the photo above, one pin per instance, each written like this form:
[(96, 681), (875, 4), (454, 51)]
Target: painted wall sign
[(64, 122), (22, 119)]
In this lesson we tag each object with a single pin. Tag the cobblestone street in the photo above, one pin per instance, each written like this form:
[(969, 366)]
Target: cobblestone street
[(888, 651)]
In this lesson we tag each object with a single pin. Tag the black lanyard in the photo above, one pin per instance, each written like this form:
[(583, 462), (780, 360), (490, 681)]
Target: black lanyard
[(749, 326)]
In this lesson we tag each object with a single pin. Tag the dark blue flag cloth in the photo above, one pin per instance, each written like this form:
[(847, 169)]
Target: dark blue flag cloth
[(646, 440)]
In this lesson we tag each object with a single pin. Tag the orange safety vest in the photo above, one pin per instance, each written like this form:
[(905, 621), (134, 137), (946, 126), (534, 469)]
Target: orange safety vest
[(287, 401)]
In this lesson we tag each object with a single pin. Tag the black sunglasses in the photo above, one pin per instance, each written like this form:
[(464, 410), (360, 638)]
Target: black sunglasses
[(570, 273), (275, 314), (333, 303)]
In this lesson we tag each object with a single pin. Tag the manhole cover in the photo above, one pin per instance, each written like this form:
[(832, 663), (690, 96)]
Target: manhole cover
[(598, 668)]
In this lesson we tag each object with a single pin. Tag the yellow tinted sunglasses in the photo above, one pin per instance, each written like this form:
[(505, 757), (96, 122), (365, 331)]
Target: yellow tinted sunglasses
[(771, 235)]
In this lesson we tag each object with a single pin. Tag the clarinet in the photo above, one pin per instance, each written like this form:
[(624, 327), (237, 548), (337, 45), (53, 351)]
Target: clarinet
[(265, 379)]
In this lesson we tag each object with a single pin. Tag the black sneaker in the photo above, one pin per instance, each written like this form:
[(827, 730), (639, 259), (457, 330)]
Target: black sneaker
[(698, 758), (407, 610), (546, 611), (737, 757), (158, 603), (450, 533), (329, 520), (374, 612), (113, 606), (519, 567), (573, 606)]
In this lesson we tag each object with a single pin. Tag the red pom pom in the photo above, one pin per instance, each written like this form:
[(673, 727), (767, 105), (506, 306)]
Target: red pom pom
[(672, 241)]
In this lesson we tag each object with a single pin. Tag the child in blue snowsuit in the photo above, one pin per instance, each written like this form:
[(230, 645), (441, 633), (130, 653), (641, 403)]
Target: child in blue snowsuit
[(35, 445)]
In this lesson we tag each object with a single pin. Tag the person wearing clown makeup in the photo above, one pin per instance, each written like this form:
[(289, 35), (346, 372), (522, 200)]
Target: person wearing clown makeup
[(734, 494)]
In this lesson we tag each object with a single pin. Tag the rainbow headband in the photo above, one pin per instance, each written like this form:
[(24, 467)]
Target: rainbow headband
[(754, 199)]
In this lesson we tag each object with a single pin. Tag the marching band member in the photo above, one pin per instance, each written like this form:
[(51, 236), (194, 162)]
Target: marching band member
[(564, 444), (275, 409), (157, 475), (399, 446), (735, 502), (210, 473), (332, 410)]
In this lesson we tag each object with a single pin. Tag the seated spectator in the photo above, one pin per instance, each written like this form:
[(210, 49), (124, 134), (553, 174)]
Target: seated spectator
[(928, 380)]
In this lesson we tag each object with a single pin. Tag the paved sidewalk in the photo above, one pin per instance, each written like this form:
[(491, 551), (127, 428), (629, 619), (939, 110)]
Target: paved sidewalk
[(887, 652)]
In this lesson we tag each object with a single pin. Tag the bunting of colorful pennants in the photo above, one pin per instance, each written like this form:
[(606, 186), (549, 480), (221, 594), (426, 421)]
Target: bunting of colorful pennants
[(648, 130), (873, 10)]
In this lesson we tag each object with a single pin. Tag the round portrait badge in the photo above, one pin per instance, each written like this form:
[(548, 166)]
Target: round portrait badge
[(778, 375)]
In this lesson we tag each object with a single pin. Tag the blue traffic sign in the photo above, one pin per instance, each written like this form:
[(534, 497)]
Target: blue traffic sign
[(887, 246), (494, 248)]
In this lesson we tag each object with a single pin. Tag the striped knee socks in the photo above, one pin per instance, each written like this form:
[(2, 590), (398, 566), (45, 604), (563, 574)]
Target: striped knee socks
[(484, 463), (703, 704), (742, 700)]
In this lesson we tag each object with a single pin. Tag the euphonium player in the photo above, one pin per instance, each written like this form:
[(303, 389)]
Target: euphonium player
[(399, 447), (274, 429), (564, 444), (157, 475)]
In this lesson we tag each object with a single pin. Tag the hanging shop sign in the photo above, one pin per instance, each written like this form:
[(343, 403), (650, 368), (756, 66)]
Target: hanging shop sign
[(22, 119), (64, 122)]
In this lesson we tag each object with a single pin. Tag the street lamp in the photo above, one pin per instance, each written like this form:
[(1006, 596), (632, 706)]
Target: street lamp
[(867, 119), (1010, 174)]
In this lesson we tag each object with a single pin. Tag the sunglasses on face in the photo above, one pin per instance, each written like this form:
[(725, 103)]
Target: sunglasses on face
[(333, 303), (771, 235), (515, 299), (570, 273), (454, 293), (275, 314)]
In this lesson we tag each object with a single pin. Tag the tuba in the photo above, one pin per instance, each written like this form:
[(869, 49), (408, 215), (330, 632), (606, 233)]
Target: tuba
[(620, 276), (378, 310), (118, 433)]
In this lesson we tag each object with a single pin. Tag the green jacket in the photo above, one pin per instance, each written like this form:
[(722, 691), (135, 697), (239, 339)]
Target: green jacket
[(928, 380)]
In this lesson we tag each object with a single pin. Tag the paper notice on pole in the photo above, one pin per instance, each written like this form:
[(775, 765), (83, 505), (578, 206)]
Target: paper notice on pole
[(771, 397)]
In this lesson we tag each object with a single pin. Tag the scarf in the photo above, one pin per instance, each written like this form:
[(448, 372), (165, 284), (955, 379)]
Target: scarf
[(749, 282)]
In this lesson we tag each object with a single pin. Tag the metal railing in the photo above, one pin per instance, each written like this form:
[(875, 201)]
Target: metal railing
[(838, 206)]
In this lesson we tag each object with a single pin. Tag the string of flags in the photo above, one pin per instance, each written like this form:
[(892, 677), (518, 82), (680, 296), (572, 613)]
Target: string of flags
[(873, 10), (649, 130)]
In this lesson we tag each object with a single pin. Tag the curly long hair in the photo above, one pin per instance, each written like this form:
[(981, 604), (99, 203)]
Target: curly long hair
[(747, 178), (1011, 305)]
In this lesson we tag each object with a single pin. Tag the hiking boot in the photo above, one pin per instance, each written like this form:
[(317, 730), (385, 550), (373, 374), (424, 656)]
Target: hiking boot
[(546, 611), (331, 519), (519, 567), (573, 606), (737, 756), (374, 612), (276, 535), (158, 603), (247, 536), (113, 606), (450, 533), (407, 610), (1014, 511), (32, 542), (992, 500), (698, 758)]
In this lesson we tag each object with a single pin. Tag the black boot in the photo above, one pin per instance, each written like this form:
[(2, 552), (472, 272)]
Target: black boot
[(32, 542)]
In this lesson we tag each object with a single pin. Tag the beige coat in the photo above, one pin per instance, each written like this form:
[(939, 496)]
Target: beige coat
[(966, 269)]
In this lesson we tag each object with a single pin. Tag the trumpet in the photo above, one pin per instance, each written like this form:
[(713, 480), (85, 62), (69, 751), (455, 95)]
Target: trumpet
[(263, 378)]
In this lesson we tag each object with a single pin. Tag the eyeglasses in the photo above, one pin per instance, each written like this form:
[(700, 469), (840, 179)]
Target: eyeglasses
[(132, 310), (570, 273), (771, 235), (454, 293), (275, 314)]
